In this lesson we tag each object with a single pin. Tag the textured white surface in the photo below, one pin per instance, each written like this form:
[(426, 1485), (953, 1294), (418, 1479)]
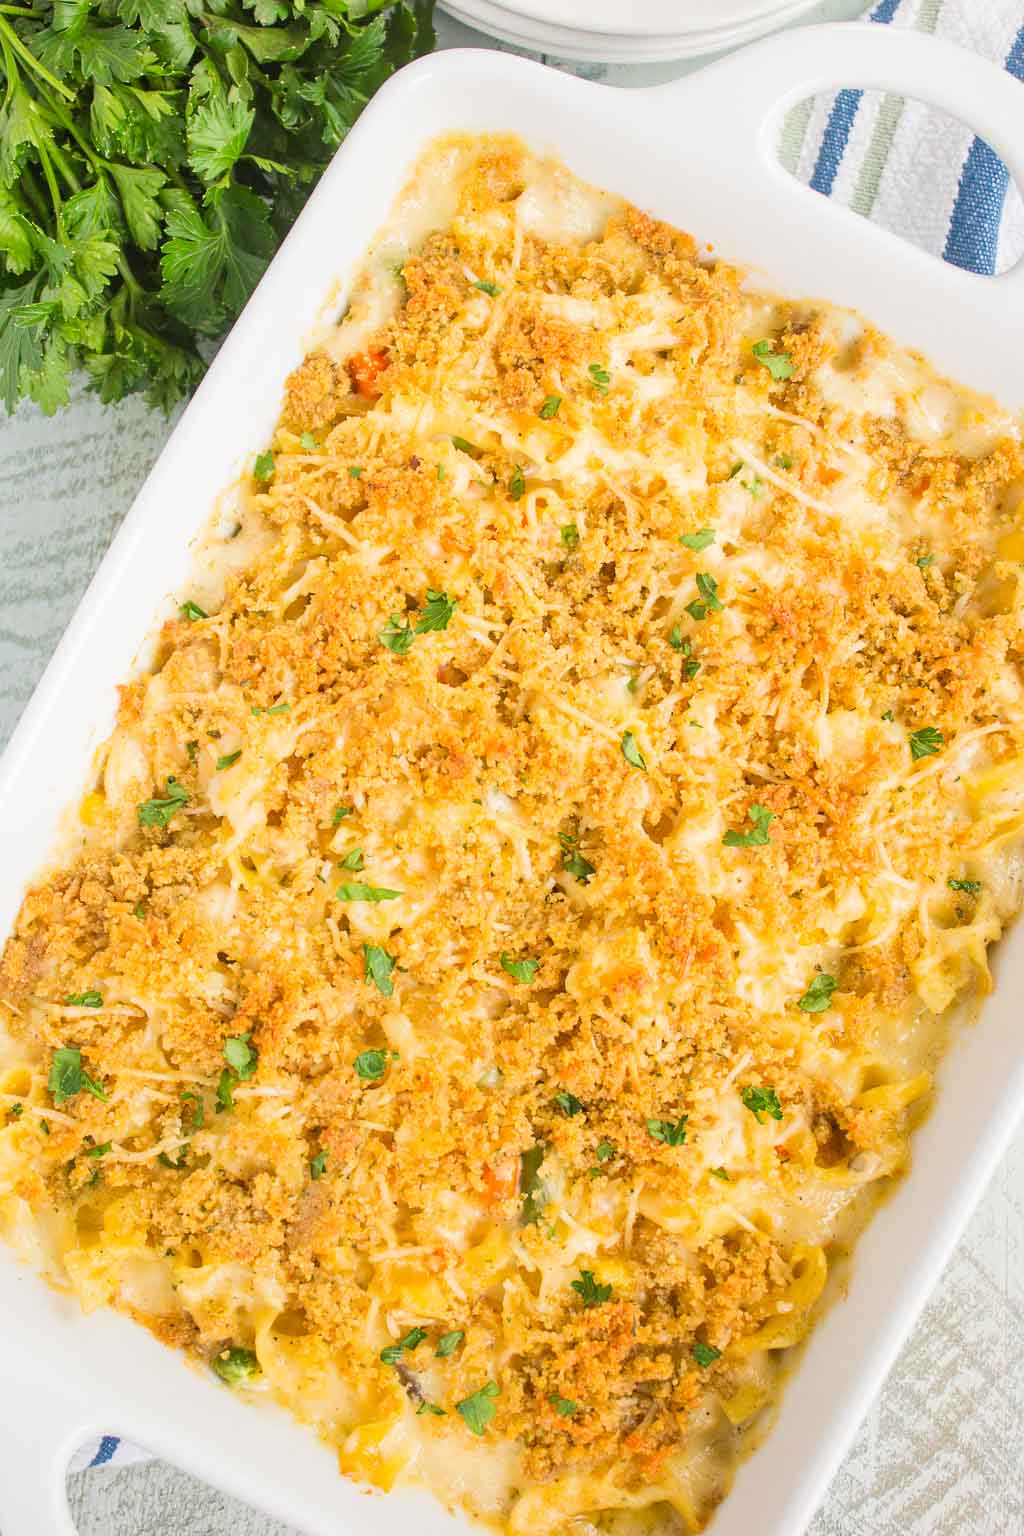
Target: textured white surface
[(942, 1453)]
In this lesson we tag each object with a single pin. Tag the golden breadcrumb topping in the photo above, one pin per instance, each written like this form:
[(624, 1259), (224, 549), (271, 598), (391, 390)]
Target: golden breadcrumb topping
[(513, 918)]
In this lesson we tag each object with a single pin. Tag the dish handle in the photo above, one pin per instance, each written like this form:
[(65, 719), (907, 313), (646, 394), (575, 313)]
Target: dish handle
[(795, 65)]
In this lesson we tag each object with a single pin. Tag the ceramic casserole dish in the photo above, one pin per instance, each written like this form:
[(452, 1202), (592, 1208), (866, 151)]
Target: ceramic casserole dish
[(699, 153)]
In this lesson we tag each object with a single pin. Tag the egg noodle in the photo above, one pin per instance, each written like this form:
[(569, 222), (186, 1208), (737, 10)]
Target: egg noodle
[(507, 940)]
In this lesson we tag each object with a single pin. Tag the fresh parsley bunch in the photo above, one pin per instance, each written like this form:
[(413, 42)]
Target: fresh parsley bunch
[(152, 155)]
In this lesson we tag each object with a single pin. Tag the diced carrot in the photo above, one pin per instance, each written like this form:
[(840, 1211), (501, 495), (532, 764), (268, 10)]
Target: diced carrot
[(365, 368), (501, 1180)]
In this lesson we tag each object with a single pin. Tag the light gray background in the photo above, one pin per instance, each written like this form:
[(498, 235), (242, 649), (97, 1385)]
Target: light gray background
[(942, 1452)]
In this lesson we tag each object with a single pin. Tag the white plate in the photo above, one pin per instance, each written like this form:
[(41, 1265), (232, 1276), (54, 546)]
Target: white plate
[(510, 25), (645, 18), (700, 152)]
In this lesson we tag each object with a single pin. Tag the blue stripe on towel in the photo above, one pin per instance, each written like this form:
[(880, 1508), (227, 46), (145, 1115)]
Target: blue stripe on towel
[(107, 1446), (973, 236), (841, 119)]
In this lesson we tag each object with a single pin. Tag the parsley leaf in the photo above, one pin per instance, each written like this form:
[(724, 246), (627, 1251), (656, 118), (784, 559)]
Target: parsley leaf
[(99, 1150), (924, 561), (353, 860), (720, 1173), (448, 1343), (392, 1353), (90, 999), (235, 1365), (307, 442), (549, 407), (428, 1407), (67, 1076), (491, 289), (757, 834), (590, 1292), (573, 861), (340, 812), (563, 1405), (599, 377), (318, 1166), (194, 1103), (569, 535), (438, 612), (669, 1133), (969, 887), (397, 636), (631, 752), (709, 600), (228, 760), (519, 970), (465, 446), (926, 742), (568, 1103), (699, 540), (192, 611), (478, 1409), (377, 967), (356, 891), (241, 1056), (371, 1065), (818, 996), (517, 484), (705, 1354), (760, 1102), (158, 811), (779, 364), (531, 1186), (263, 469)]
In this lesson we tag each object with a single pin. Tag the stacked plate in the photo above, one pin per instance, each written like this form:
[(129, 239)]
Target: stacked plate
[(626, 31)]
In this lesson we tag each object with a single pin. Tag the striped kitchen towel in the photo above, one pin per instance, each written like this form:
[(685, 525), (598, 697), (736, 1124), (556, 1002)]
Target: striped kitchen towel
[(917, 172)]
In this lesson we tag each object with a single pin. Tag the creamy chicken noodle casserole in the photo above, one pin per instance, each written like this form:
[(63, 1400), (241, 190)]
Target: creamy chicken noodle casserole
[(507, 939)]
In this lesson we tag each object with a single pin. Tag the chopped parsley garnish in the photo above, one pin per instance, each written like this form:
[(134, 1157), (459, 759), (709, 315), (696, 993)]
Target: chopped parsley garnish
[(90, 999), (340, 812), (491, 289), (241, 1056), (16, 1111), (355, 471), (228, 760), (969, 887), (757, 834), (563, 1405), (568, 1103), (194, 1103), (225, 1098), (761, 1102), (68, 1076), (784, 460), (779, 364), (599, 377), (426, 1407), (924, 561), (100, 1150), (720, 1173), (517, 484), (519, 970), (235, 1365), (377, 967), (392, 1353), (167, 1161), (818, 996), (671, 1134), (631, 752), (158, 811), (371, 1065), (530, 1184), (478, 1409), (272, 709), (549, 407), (926, 742), (192, 748), (699, 540), (192, 611), (465, 446), (263, 469), (398, 635), (887, 714), (448, 1343), (356, 891), (569, 535), (604, 1153), (705, 1354), (709, 600), (318, 1166), (573, 861), (589, 1290), (139, 911), (308, 442), (353, 860), (678, 641), (438, 612), (735, 469)]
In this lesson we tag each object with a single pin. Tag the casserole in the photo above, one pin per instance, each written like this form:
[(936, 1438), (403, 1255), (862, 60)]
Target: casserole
[(924, 304)]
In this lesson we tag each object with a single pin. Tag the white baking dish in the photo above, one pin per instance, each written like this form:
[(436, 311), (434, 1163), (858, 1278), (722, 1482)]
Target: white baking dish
[(699, 152)]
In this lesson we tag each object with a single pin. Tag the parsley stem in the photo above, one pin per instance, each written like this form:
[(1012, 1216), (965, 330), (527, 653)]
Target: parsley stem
[(7, 31)]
